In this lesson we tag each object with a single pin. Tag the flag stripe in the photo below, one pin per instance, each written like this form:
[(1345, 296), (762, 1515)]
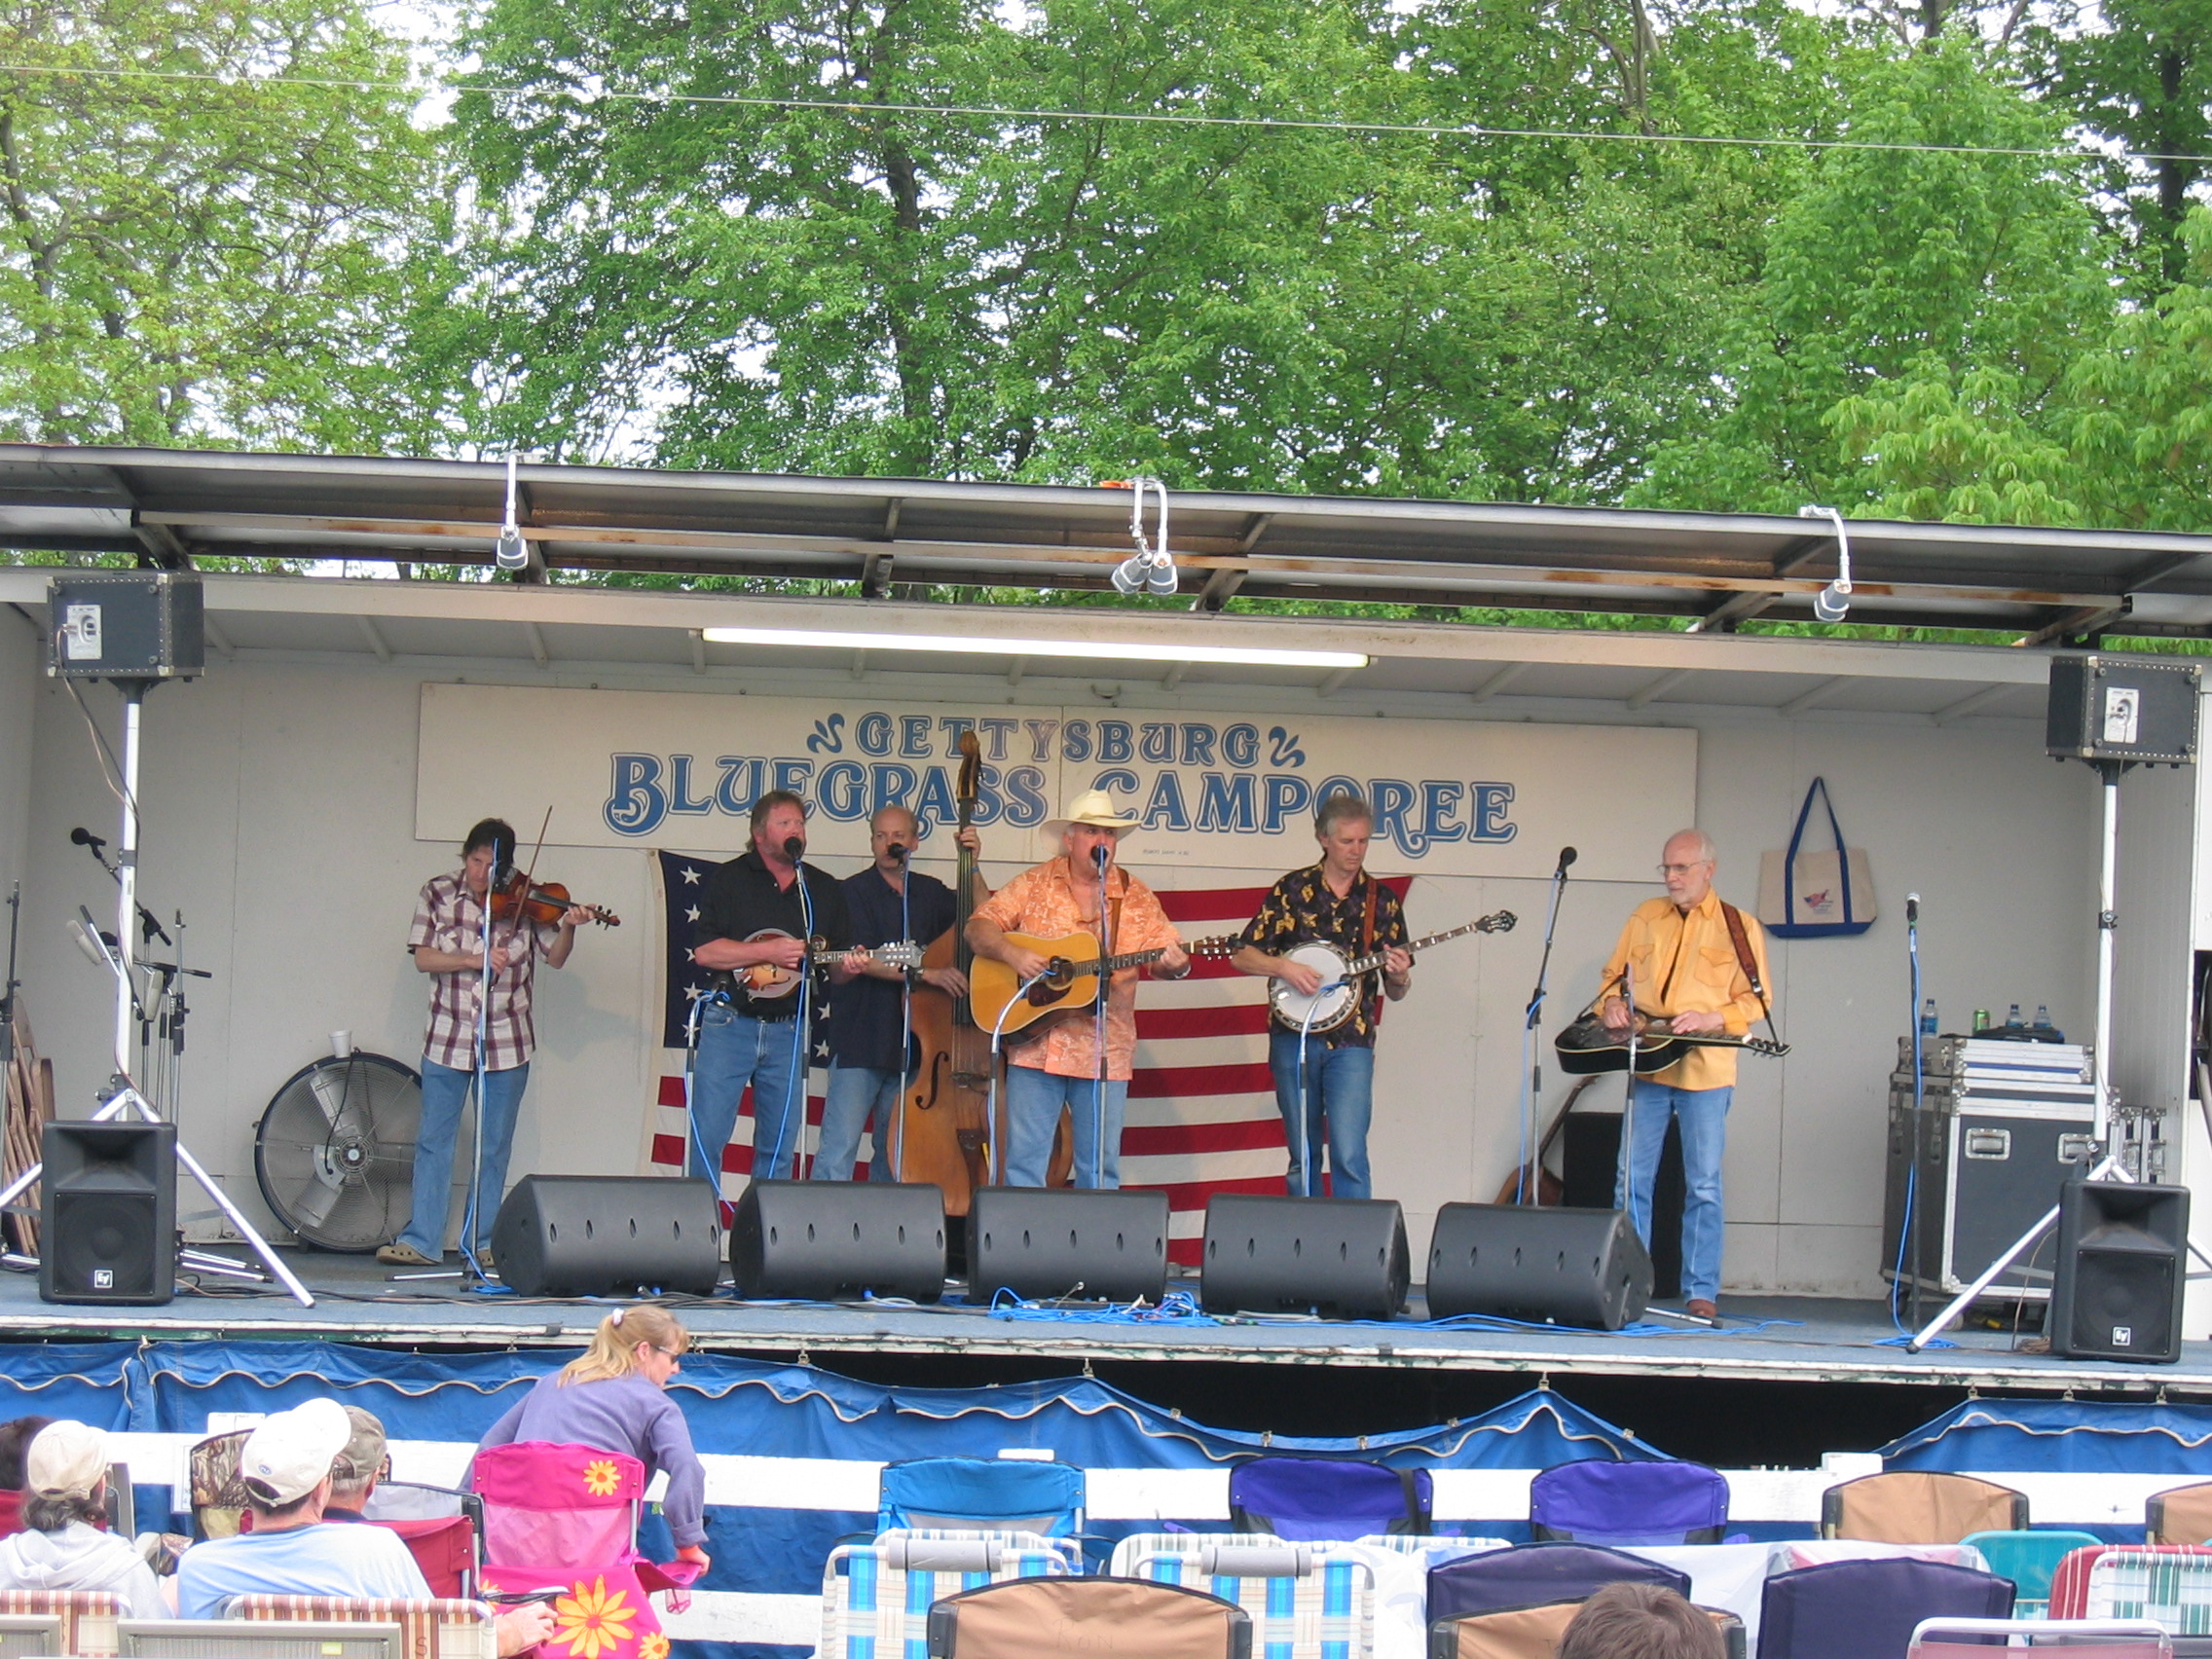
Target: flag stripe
[(1202, 1115)]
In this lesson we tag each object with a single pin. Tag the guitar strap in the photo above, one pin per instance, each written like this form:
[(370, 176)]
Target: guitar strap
[(1367, 944), (1748, 961)]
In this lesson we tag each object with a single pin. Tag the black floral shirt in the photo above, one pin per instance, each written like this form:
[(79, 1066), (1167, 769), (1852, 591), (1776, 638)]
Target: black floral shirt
[(1302, 910)]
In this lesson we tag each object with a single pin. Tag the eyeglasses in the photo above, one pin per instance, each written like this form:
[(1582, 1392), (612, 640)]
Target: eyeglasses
[(1683, 868)]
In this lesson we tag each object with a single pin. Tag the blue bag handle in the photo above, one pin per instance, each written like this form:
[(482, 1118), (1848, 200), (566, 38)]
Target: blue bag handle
[(1820, 787)]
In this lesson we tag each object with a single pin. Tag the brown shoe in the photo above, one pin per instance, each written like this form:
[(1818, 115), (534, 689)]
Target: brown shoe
[(403, 1256), (1697, 1307)]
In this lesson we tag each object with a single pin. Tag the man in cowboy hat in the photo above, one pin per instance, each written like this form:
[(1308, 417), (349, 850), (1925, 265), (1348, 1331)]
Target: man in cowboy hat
[(1080, 891)]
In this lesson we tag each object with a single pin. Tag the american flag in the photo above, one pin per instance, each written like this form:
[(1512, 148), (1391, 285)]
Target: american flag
[(1202, 1115)]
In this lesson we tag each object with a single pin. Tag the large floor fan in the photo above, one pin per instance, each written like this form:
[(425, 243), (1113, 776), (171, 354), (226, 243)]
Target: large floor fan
[(335, 1153)]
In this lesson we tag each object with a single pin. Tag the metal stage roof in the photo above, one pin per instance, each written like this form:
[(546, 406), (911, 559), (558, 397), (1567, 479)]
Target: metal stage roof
[(892, 537)]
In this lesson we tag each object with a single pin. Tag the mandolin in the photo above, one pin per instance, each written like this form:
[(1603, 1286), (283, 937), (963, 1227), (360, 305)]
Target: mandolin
[(767, 982), (1588, 1047), (1331, 1006), (1069, 986)]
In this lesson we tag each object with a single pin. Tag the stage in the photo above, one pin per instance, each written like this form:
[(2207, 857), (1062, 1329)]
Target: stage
[(1762, 1339)]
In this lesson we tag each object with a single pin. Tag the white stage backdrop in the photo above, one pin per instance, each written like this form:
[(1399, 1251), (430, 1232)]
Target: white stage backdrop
[(645, 768)]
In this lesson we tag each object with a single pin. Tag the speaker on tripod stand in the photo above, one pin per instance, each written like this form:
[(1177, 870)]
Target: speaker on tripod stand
[(107, 1213)]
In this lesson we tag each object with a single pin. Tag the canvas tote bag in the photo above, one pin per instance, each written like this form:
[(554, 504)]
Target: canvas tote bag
[(1827, 894)]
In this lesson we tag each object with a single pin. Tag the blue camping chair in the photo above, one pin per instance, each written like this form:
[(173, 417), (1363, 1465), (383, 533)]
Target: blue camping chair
[(1600, 1501), (1530, 1575), (1322, 1501), (2028, 1560), (1868, 1610), (991, 1495)]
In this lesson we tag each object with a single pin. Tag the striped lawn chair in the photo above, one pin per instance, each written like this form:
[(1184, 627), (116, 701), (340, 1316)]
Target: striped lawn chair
[(1306, 1600), (875, 1597), (2173, 1591), (89, 1617), (442, 1628), (2070, 1579)]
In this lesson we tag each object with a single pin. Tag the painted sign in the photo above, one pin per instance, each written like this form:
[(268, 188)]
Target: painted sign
[(1217, 792)]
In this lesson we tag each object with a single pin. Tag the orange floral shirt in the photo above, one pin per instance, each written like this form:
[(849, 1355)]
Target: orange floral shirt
[(1042, 902)]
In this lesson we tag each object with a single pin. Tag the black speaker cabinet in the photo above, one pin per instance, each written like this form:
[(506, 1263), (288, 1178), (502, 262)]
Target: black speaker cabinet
[(2108, 708), (1576, 1266), (819, 1240), (107, 1213), (125, 625), (1589, 1163), (2117, 1294), (1046, 1241), (1344, 1258), (607, 1234)]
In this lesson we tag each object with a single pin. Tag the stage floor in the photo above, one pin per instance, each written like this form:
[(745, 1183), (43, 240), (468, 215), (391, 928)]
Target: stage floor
[(1762, 1339)]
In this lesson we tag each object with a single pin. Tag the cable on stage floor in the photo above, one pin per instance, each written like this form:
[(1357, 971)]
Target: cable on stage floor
[(1175, 1308)]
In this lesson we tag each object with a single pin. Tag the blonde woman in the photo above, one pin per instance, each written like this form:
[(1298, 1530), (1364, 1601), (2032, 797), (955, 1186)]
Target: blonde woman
[(612, 1398)]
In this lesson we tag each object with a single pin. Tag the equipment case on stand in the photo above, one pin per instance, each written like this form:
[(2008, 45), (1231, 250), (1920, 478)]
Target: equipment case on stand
[(2004, 1125)]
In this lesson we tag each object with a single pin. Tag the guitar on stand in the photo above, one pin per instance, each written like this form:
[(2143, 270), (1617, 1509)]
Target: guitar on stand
[(1328, 1008)]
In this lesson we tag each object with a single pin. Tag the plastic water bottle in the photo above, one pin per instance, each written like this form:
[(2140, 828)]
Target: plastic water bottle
[(1927, 1019), (2013, 1019), (2043, 1016)]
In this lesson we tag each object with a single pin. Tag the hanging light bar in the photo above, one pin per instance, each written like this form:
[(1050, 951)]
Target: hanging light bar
[(1243, 656)]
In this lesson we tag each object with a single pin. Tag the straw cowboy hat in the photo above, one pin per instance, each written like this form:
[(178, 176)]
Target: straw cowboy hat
[(1094, 807)]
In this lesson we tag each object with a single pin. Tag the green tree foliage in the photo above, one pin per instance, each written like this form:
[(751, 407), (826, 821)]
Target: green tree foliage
[(210, 258)]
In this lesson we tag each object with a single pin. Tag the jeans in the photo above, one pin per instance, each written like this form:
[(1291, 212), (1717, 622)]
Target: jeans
[(445, 1090), (1033, 1102), (855, 1093), (1338, 1093), (1704, 1116), (735, 1050)]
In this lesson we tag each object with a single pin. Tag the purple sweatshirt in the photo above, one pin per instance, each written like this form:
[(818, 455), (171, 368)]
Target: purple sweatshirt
[(618, 1414)]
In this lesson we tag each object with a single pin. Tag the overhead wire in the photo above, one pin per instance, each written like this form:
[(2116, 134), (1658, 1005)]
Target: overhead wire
[(1161, 118)]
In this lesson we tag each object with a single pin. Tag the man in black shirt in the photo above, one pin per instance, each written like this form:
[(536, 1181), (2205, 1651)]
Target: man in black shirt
[(752, 1030), (886, 902), (1325, 1082)]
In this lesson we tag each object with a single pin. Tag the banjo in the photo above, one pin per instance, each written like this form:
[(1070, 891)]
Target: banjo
[(1331, 1006)]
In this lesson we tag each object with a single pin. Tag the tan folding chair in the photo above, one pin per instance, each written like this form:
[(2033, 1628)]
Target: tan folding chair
[(1916, 1507), (89, 1617), (440, 1628), (2182, 1516), (1080, 1618)]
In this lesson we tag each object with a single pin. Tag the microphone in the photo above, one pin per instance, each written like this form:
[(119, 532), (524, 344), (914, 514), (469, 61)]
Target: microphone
[(898, 850), (84, 837), (1913, 907), (1566, 855), (795, 848), (1099, 855)]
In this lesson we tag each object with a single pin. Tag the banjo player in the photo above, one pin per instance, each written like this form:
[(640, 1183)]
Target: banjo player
[(1322, 1033)]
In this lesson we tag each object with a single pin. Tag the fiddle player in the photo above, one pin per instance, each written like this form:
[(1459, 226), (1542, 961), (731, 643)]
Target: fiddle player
[(1325, 1081), (447, 942), (1056, 1064), (743, 1038), (1684, 959), (886, 902)]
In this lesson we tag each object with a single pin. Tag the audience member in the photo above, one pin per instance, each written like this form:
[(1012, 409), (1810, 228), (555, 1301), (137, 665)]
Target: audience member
[(15, 1436), (63, 1546), (364, 1463), (1641, 1621), (613, 1398)]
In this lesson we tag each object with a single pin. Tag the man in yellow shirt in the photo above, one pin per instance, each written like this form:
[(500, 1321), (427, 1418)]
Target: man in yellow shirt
[(1681, 964)]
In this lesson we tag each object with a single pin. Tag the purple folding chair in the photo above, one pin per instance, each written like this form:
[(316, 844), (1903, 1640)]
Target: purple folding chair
[(1320, 1500), (1528, 1575), (1599, 1501), (1868, 1610)]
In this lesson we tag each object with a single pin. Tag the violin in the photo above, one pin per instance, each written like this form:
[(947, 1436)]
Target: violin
[(542, 901)]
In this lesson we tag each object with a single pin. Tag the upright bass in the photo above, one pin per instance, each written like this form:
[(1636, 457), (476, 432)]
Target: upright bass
[(944, 1128)]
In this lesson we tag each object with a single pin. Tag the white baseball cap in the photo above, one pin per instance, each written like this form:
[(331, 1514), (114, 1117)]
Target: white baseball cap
[(66, 1460), (291, 1453)]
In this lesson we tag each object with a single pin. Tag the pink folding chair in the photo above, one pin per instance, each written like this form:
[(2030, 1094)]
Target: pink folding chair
[(566, 1518)]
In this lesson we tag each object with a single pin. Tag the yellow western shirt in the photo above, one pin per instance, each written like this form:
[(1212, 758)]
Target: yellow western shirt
[(1685, 964)]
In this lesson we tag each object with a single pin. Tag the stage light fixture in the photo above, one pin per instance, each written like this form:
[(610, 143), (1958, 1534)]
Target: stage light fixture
[(1116, 651), (510, 552), (1152, 567), (1833, 602)]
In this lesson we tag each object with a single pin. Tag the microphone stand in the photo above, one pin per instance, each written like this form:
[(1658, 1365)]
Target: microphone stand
[(1102, 857), (897, 1125), (1531, 1044), (802, 1038), (149, 924)]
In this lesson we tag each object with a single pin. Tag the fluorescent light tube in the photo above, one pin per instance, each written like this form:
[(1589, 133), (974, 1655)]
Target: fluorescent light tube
[(1248, 657)]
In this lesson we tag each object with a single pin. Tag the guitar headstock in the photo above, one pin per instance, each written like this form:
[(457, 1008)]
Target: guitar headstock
[(1501, 921), (1215, 949), (1767, 1046)]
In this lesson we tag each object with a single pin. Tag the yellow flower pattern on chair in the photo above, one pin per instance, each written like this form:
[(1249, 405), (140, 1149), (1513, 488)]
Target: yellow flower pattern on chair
[(602, 1477), (589, 1622), (654, 1647)]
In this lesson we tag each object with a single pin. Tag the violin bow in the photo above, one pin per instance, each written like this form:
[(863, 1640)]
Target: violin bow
[(529, 877)]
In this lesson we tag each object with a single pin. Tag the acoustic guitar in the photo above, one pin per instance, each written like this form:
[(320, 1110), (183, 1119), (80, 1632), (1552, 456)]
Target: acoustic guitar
[(1070, 985), (767, 982), (1590, 1047)]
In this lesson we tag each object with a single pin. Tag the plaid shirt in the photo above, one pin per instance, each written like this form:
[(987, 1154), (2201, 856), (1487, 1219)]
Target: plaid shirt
[(448, 917)]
